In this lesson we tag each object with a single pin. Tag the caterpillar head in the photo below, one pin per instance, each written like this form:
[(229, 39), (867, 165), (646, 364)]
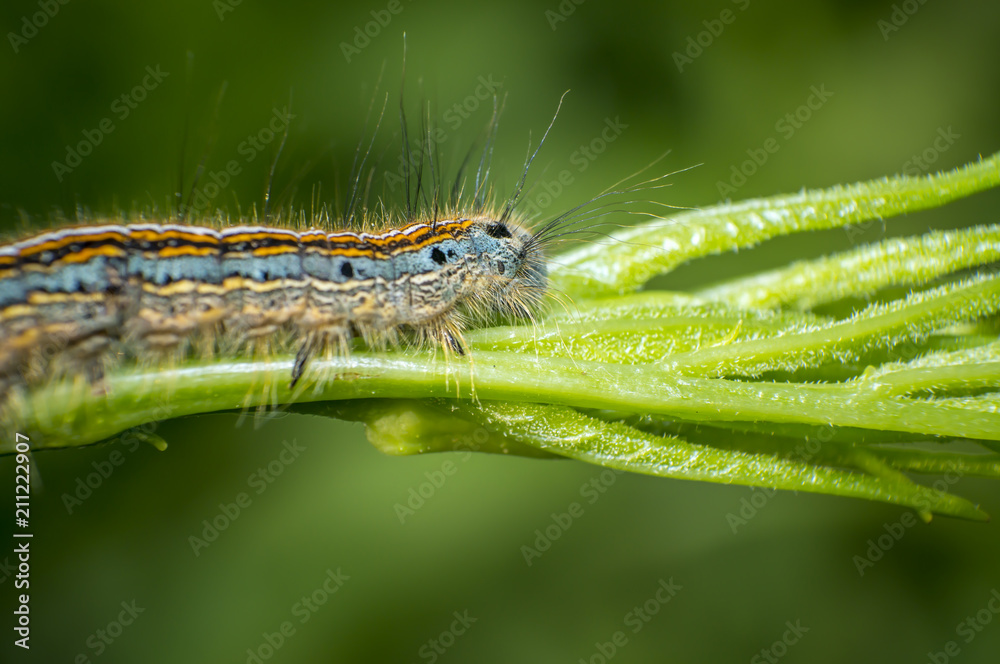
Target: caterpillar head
[(513, 259)]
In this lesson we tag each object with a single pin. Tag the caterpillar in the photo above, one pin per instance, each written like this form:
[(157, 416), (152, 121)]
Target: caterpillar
[(73, 298), (157, 286)]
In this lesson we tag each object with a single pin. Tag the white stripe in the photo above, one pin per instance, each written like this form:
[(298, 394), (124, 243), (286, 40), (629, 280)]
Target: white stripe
[(62, 233)]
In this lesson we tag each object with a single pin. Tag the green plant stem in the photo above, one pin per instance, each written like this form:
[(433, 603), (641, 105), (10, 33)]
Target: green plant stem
[(570, 433), (893, 262), (635, 255), (138, 396)]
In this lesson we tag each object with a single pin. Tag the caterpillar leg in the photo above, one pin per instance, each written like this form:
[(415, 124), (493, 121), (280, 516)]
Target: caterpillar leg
[(329, 340)]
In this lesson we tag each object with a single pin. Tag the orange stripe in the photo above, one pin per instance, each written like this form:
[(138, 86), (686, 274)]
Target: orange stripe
[(352, 239), (85, 255), (275, 251), (170, 252), (246, 237), (59, 243), (156, 236)]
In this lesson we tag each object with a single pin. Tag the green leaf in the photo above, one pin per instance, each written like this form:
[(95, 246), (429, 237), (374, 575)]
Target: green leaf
[(636, 255), (896, 261)]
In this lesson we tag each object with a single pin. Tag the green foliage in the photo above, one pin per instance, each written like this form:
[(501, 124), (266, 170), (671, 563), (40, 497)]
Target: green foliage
[(778, 379)]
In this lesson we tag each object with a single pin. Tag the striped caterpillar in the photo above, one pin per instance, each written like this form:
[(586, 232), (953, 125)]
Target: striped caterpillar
[(72, 298)]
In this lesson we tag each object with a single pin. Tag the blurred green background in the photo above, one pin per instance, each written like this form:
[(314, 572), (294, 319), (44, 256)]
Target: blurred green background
[(892, 94)]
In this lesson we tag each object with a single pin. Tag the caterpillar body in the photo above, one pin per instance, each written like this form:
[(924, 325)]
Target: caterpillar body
[(71, 296), (74, 299)]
